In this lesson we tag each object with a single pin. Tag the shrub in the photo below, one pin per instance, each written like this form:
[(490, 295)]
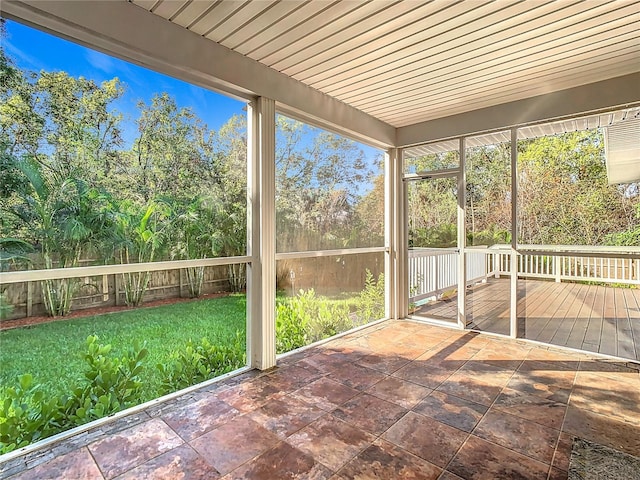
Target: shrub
[(370, 302), (290, 328), (306, 318), (114, 384), (27, 415), (197, 363), (328, 319)]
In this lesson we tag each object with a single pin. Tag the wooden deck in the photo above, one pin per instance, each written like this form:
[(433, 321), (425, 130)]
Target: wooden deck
[(587, 317)]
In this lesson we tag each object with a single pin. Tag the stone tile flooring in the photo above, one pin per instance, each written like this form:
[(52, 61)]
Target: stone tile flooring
[(399, 400)]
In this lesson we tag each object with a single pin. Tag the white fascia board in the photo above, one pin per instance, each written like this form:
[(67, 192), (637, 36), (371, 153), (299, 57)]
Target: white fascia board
[(612, 93), (316, 121), (129, 32)]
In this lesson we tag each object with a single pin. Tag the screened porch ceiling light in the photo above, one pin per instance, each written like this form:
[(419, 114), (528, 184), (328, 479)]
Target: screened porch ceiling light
[(622, 151)]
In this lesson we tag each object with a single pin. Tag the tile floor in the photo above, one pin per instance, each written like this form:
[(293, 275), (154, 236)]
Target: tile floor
[(399, 400)]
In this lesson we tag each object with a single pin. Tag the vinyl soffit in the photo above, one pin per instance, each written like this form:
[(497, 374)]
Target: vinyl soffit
[(602, 121), (410, 61)]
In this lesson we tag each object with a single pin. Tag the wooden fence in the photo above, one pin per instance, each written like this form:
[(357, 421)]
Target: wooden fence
[(327, 275), (106, 290)]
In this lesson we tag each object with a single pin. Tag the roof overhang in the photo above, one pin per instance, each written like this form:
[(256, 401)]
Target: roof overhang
[(613, 94)]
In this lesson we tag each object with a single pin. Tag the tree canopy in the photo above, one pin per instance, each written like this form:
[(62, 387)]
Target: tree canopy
[(59, 132), (563, 196)]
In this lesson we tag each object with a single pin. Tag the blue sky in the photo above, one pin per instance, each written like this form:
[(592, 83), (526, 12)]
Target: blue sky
[(34, 50)]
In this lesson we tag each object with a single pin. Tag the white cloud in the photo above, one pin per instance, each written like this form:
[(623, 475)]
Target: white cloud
[(100, 61), (22, 59)]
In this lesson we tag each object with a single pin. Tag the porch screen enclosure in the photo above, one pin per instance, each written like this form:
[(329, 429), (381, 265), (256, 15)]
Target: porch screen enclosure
[(519, 233)]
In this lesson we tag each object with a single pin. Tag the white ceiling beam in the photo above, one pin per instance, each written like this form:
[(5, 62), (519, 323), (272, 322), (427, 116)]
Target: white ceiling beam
[(607, 94), (131, 33)]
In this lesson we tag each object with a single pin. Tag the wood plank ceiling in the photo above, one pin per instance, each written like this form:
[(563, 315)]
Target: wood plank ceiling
[(410, 61)]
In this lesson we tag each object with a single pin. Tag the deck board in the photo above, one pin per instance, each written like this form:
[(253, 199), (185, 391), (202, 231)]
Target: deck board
[(539, 327), (594, 328), (566, 330), (581, 321), (594, 318), (632, 300)]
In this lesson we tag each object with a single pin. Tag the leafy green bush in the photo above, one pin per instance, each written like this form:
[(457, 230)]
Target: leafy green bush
[(197, 363), (28, 415), (370, 302), (328, 320), (630, 237), (114, 384), (306, 318), (290, 328)]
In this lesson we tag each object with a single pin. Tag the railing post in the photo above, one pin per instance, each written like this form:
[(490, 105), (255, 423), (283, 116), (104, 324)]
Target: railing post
[(556, 268), (436, 274), (105, 288), (117, 288)]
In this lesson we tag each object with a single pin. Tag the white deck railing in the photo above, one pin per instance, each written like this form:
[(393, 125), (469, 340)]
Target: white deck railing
[(580, 266), (432, 271)]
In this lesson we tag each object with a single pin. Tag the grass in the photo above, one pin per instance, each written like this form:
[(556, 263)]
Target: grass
[(52, 352)]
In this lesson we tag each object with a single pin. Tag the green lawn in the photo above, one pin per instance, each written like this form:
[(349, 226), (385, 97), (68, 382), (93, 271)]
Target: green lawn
[(52, 352)]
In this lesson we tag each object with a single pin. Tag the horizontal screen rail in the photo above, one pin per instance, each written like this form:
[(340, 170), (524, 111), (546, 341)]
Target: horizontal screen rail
[(96, 270), (330, 253)]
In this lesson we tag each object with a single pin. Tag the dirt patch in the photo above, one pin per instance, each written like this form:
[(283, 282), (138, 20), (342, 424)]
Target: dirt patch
[(93, 311)]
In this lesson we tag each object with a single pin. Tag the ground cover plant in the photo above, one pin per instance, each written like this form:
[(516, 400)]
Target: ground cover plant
[(51, 352)]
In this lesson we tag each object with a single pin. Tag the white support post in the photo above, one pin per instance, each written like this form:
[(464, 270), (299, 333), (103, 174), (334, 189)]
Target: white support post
[(261, 225), (513, 310), (462, 238), (400, 232), (390, 217), (30, 299)]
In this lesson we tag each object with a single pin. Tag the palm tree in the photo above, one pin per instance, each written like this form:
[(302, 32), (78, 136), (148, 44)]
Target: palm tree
[(230, 239), (140, 236), (191, 238), (64, 219)]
